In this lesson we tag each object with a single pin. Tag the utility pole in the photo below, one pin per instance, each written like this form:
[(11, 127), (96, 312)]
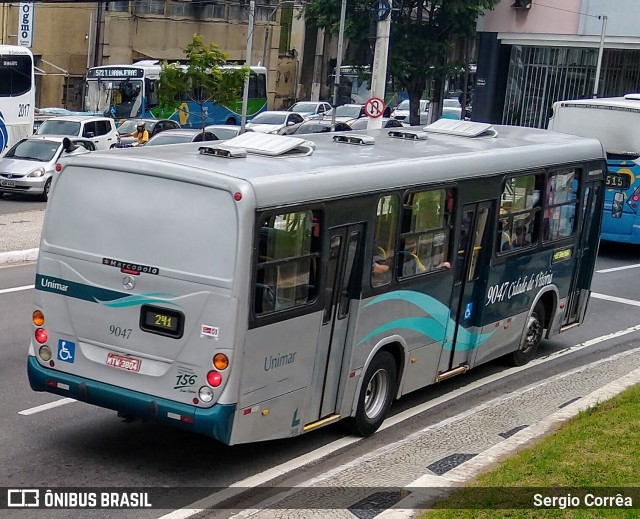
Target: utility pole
[(379, 72), (336, 85), (97, 46), (317, 66)]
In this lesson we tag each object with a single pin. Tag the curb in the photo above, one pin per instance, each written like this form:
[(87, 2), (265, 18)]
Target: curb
[(429, 488), (19, 256)]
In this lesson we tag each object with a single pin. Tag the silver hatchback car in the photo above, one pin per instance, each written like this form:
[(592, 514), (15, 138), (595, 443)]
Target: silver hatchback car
[(29, 165)]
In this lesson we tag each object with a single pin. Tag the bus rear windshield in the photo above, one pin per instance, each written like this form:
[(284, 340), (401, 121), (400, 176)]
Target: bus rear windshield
[(172, 225), (15, 75)]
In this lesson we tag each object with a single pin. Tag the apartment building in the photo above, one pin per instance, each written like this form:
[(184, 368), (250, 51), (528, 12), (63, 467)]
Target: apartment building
[(70, 37), (534, 52)]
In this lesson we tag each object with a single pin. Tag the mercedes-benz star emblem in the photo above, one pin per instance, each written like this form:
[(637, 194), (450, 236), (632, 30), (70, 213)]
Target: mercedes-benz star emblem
[(128, 282)]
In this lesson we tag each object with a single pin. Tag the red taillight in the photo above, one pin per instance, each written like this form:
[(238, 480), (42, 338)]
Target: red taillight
[(237, 196), (41, 335), (214, 379), (58, 168), (636, 198)]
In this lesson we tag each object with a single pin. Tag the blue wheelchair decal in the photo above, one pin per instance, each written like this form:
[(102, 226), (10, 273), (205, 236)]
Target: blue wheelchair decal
[(66, 351), (468, 310)]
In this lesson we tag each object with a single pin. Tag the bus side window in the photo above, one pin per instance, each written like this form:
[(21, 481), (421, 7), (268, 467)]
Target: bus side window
[(560, 205), (519, 221), (288, 254), (384, 240)]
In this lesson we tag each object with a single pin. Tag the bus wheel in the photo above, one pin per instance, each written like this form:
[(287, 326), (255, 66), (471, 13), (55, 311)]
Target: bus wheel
[(376, 395), (531, 339), (232, 121), (45, 193)]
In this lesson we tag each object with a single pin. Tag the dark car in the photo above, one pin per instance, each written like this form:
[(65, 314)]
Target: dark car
[(153, 126), (181, 136), (313, 126)]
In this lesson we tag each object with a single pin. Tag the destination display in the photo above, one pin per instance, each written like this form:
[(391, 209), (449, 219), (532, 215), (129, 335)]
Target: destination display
[(115, 73), (161, 321)]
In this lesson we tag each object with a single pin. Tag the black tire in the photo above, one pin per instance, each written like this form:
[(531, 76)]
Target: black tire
[(376, 395), (232, 121), (47, 188), (531, 339)]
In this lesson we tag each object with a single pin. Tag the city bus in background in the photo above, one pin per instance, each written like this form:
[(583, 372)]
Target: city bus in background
[(355, 88), (615, 121), (288, 290), (17, 95), (130, 91)]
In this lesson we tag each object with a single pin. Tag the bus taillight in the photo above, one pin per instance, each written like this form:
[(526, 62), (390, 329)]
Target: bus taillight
[(220, 361), (38, 318), (41, 335), (214, 379)]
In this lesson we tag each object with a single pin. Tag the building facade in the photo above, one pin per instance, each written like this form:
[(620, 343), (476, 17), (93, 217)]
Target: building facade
[(70, 38), (533, 53)]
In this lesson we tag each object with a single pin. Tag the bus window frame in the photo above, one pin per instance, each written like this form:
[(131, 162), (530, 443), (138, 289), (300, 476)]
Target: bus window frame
[(257, 320)]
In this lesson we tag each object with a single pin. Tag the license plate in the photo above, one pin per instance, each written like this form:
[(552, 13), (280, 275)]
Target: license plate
[(616, 181), (123, 362), (7, 183)]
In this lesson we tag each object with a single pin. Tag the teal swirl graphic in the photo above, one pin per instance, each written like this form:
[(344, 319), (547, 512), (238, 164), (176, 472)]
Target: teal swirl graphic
[(139, 299), (437, 324), (4, 134)]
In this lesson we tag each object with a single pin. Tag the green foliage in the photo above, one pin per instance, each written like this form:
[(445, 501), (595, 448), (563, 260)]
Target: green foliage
[(423, 33), (203, 79)]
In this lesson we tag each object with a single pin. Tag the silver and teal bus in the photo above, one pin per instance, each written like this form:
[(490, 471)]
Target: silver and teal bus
[(266, 286)]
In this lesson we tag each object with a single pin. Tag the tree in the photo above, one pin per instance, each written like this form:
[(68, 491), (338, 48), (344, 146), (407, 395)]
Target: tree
[(205, 77), (423, 34)]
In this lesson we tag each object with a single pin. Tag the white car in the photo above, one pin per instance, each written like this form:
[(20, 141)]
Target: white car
[(346, 113), (451, 109), (27, 168), (401, 113), (273, 121), (225, 132), (308, 109), (101, 130)]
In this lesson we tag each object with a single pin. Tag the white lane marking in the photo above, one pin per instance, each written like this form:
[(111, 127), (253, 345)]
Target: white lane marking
[(16, 289), (269, 474), (615, 299), (44, 407), (616, 269)]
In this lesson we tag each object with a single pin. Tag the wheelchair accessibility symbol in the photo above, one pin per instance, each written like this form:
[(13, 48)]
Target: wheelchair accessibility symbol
[(66, 351), (468, 311)]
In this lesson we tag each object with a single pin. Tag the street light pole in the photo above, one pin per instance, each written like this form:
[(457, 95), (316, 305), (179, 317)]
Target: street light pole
[(245, 93), (600, 52)]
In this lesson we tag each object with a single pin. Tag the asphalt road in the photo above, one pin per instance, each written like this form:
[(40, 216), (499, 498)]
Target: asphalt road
[(80, 445), (10, 203)]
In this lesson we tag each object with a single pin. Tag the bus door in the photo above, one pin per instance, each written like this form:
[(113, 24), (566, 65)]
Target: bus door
[(470, 278), (586, 251), (341, 286)]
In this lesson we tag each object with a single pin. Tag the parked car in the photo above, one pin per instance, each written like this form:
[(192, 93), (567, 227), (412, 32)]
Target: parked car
[(401, 113), (313, 126), (272, 121), (101, 130), (153, 126), (181, 136), (451, 109), (29, 165), (309, 109), (346, 113), (361, 124), (224, 132)]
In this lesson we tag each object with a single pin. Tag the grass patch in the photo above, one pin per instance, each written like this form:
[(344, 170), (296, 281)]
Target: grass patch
[(599, 449)]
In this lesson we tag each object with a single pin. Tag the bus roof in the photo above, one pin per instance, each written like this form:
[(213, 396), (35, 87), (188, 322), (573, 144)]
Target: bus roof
[(14, 49), (336, 169), (612, 120)]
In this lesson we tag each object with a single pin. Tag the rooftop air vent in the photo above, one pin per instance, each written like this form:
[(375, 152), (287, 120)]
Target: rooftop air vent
[(461, 128), (408, 134), (271, 145), (632, 97), (223, 151), (360, 140)]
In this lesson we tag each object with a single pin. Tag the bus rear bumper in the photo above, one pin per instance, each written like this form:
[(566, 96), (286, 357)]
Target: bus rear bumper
[(215, 422)]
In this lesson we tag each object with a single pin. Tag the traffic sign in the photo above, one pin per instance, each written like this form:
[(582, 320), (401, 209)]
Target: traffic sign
[(380, 10), (374, 107)]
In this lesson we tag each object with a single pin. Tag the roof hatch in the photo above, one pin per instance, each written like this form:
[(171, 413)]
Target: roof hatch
[(461, 128), (259, 144)]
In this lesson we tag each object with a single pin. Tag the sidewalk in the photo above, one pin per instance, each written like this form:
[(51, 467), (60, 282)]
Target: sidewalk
[(20, 236)]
